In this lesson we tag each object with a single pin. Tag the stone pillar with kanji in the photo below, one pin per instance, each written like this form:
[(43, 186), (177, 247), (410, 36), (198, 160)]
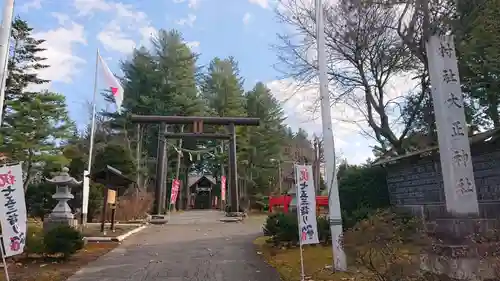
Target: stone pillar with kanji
[(452, 252)]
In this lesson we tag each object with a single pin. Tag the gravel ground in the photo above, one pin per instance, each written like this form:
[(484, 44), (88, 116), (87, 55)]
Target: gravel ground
[(194, 246)]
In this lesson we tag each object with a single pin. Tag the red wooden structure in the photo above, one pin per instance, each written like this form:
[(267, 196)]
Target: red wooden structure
[(284, 201)]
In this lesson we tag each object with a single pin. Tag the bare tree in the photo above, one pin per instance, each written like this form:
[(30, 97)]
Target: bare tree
[(365, 55)]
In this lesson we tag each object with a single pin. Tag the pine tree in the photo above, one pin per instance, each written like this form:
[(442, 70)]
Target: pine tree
[(34, 122), (222, 88), (267, 140), (159, 81)]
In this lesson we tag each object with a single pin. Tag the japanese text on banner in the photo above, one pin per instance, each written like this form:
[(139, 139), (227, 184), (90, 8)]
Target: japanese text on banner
[(175, 191), (306, 205), (13, 210), (223, 188)]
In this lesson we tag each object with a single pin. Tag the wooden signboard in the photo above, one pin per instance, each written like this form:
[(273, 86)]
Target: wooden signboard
[(111, 196)]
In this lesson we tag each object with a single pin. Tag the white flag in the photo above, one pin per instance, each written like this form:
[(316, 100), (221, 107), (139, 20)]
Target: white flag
[(306, 205), (113, 84)]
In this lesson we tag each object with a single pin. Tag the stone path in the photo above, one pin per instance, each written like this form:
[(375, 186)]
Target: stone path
[(194, 246)]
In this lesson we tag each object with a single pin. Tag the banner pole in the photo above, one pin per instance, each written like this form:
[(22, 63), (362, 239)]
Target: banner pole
[(297, 210), (302, 273), (5, 269)]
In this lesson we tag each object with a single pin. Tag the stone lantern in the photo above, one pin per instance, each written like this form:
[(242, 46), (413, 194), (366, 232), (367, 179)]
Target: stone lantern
[(62, 214)]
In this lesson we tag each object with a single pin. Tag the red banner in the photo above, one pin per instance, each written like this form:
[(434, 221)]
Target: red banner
[(223, 188), (176, 184)]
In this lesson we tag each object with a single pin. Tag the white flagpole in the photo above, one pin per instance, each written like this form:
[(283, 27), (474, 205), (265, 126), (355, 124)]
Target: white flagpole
[(5, 31), (86, 183), (339, 261)]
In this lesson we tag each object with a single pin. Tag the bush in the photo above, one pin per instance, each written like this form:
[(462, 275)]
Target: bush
[(385, 246), (34, 240), (39, 201), (324, 234), (134, 205), (63, 240), (271, 227), (284, 229)]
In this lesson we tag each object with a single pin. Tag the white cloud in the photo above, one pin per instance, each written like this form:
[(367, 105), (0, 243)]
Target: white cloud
[(33, 4), (62, 19), (193, 4), (193, 45), (189, 21), (129, 13), (263, 3), (59, 43), (246, 18), (114, 39), (146, 33), (126, 22), (300, 106), (86, 7)]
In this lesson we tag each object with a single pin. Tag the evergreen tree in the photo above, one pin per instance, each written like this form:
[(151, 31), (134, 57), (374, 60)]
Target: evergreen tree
[(267, 140), (479, 59), (222, 88), (159, 81), (34, 122)]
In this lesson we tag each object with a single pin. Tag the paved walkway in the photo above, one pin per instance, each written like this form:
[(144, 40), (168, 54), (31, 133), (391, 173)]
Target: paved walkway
[(194, 246)]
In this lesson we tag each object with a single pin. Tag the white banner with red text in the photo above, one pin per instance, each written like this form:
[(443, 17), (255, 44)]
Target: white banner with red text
[(176, 184), (223, 188), (306, 205), (13, 217)]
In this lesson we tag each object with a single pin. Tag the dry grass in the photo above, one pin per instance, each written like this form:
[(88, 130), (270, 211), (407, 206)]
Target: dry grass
[(46, 269), (317, 262)]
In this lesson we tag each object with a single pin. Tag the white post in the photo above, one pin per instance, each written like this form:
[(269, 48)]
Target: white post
[(8, 10), (339, 262), (86, 184)]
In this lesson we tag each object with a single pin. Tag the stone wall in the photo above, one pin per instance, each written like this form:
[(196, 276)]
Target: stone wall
[(416, 183)]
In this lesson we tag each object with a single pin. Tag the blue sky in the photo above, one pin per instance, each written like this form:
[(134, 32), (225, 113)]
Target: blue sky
[(245, 29)]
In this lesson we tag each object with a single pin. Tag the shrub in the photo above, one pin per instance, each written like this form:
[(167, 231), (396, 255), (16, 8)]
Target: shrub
[(324, 234), (283, 229), (63, 240), (134, 205), (271, 227), (34, 240), (287, 230), (385, 246), (39, 201)]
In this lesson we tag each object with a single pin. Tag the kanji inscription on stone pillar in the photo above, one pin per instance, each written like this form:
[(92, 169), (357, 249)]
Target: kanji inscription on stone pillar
[(454, 146)]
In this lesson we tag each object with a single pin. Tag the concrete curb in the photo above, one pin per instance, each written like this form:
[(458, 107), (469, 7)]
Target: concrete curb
[(117, 238), (231, 219), (118, 224)]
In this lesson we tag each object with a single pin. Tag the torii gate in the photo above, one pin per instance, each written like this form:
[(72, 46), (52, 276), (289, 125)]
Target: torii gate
[(197, 122)]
